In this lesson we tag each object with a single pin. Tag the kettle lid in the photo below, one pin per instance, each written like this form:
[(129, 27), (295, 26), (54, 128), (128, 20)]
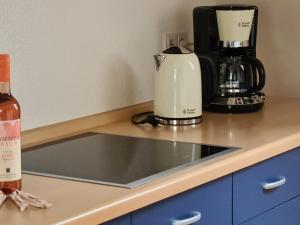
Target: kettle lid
[(177, 50)]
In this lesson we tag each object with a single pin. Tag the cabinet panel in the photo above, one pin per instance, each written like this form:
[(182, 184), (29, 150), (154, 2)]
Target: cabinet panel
[(286, 214), (250, 198), (212, 200), (124, 220)]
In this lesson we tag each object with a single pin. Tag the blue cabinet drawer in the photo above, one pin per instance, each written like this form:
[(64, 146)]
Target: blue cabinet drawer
[(213, 201), (124, 220), (285, 214), (250, 194)]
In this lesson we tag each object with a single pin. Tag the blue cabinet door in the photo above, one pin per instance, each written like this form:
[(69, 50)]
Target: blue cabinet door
[(124, 220), (212, 200), (285, 214), (249, 196)]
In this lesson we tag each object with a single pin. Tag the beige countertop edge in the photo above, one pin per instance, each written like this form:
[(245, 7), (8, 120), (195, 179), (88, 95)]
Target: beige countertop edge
[(186, 180)]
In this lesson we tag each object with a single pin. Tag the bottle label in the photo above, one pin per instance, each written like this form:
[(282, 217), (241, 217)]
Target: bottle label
[(10, 150)]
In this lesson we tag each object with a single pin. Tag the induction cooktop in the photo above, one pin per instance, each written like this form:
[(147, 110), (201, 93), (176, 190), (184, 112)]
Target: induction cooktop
[(115, 160)]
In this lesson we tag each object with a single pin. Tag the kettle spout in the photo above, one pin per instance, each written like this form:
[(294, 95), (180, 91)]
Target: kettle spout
[(158, 59)]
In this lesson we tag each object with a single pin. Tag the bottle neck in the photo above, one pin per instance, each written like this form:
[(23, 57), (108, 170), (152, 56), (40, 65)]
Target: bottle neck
[(4, 87), (4, 74)]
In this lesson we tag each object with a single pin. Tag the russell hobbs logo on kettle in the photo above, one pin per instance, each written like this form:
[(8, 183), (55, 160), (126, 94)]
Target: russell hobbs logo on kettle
[(189, 111), (244, 24)]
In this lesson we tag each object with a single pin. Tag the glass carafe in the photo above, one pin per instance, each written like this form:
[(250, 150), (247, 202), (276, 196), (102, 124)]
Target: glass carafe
[(238, 75)]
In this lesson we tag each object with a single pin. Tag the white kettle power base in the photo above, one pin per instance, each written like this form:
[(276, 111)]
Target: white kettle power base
[(180, 121)]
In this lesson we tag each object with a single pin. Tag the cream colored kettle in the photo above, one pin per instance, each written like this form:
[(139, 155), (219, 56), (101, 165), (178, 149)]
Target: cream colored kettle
[(178, 90)]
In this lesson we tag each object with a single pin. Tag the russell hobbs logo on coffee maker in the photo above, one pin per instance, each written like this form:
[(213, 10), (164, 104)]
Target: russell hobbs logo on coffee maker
[(244, 24)]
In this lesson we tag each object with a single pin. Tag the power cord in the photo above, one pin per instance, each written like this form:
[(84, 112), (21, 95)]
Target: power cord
[(145, 117)]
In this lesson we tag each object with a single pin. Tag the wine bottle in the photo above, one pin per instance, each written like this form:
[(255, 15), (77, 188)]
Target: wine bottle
[(10, 132)]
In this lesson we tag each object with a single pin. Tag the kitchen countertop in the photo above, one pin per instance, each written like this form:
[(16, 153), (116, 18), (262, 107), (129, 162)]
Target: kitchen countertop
[(261, 135)]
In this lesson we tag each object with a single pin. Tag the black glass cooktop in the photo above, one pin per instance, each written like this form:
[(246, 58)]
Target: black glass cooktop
[(115, 160)]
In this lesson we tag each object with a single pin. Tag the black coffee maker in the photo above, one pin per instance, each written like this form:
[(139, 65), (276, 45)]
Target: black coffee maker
[(225, 38)]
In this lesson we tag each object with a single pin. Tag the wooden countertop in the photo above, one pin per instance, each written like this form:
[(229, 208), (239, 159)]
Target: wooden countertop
[(261, 135)]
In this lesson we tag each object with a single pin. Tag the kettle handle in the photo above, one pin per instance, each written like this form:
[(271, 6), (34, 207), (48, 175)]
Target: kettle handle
[(212, 76), (256, 65), (158, 59)]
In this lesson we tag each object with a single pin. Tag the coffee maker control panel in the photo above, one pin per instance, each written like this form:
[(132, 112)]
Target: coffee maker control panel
[(254, 99)]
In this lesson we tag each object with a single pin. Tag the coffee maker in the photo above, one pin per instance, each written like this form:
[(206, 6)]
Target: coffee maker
[(225, 36)]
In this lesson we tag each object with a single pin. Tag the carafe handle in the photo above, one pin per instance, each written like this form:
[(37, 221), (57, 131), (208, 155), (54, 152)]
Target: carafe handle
[(256, 65), (211, 77)]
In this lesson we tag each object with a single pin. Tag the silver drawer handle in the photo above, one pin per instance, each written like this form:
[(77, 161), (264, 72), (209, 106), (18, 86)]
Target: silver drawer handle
[(276, 184), (196, 216)]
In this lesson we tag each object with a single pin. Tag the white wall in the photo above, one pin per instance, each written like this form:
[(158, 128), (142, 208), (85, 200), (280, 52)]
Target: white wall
[(72, 58), (279, 46)]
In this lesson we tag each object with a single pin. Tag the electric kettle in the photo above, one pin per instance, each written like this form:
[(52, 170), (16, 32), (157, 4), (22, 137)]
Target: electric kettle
[(178, 90)]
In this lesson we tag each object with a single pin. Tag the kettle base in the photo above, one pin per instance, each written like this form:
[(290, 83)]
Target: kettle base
[(179, 121)]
